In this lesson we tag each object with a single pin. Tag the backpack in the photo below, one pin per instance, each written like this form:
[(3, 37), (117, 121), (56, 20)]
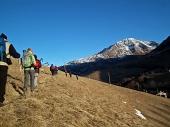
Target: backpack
[(27, 60), (37, 64), (2, 50), (52, 67)]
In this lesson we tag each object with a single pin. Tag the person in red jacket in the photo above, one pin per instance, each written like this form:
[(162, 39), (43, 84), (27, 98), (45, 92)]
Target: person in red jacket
[(56, 69), (10, 51), (37, 70)]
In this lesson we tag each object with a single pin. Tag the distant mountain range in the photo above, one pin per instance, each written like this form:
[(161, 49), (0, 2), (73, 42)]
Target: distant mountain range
[(129, 46), (126, 49)]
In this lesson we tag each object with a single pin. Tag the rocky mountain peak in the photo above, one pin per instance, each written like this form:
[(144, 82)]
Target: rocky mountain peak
[(128, 46)]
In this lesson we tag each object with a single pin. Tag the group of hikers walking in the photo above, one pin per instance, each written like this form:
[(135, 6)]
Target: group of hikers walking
[(70, 73), (29, 63), (53, 69)]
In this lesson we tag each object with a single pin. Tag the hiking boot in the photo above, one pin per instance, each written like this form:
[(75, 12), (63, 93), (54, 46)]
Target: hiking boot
[(1, 104)]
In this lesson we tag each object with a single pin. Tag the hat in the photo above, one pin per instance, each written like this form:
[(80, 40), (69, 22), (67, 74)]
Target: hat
[(4, 36), (29, 49), (35, 56)]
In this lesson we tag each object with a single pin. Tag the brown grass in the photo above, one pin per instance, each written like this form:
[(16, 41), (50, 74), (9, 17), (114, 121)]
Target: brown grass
[(61, 101)]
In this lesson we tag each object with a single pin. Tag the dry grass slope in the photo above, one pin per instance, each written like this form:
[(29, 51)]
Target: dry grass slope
[(61, 101)]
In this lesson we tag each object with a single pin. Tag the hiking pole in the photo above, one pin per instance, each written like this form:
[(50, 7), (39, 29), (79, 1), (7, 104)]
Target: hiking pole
[(41, 60), (20, 68), (65, 67)]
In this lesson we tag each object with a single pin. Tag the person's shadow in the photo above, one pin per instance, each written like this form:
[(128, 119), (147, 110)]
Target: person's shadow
[(15, 86)]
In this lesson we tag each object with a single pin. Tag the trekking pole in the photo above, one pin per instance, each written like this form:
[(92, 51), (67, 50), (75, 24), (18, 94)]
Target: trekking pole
[(41, 60), (64, 66), (20, 68)]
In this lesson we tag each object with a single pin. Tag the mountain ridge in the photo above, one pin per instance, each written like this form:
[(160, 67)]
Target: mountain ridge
[(125, 50), (128, 46), (152, 66)]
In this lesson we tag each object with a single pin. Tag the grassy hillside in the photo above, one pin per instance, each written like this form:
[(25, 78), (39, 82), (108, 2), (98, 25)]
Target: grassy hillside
[(61, 101)]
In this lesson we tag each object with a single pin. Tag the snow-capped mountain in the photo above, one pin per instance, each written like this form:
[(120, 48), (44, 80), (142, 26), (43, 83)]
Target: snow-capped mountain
[(129, 46)]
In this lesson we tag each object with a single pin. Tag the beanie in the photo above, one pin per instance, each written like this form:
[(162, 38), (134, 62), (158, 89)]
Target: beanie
[(4, 36)]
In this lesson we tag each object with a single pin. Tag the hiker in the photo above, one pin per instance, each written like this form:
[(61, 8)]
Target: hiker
[(28, 62), (77, 77), (37, 70), (56, 70), (66, 73), (52, 69), (70, 73), (4, 62)]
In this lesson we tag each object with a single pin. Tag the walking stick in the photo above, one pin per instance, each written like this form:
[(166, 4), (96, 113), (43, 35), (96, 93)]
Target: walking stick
[(65, 67), (20, 68)]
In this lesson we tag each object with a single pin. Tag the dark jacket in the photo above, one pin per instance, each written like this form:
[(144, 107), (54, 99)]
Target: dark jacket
[(13, 52)]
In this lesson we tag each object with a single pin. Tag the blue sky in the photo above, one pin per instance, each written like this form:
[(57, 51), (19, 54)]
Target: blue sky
[(64, 30)]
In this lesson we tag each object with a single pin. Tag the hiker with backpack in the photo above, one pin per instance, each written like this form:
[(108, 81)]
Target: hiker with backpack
[(66, 73), (6, 51), (28, 62), (56, 70), (52, 69), (37, 70)]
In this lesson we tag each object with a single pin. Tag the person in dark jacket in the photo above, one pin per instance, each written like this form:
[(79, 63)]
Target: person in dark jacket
[(52, 69), (10, 51), (37, 70)]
